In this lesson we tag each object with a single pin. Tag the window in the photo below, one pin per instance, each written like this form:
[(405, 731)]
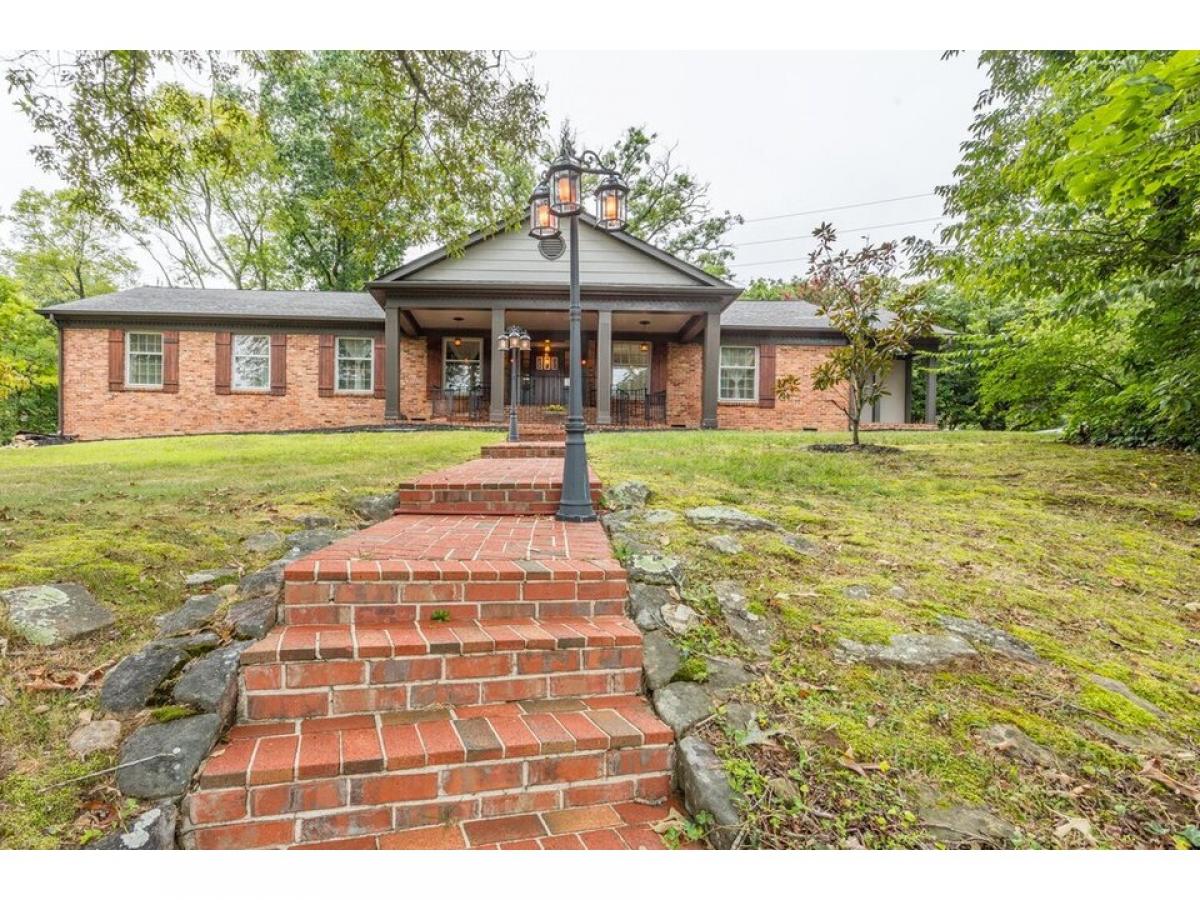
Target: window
[(143, 359), (739, 373), (355, 364), (251, 362), (462, 371), (631, 367)]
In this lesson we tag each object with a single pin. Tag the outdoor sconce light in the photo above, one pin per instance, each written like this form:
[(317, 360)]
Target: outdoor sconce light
[(644, 347), (565, 173), (458, 342), (543, 223), (610, 203)]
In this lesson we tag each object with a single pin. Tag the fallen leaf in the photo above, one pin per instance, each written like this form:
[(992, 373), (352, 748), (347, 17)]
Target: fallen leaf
[(1154, 773), (1083, 826), (673, 819)]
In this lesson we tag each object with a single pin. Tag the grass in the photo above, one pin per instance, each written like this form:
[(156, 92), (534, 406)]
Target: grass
[(1090, 555)]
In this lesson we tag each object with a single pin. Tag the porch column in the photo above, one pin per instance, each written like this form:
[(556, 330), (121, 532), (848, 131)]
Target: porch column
[(930, 395), (712, 370), (604, 367), (908, 390), (391, 342), (496, 406)]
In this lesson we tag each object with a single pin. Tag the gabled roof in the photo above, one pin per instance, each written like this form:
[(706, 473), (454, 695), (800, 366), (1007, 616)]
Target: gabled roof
[(184, 303), (694, 274)]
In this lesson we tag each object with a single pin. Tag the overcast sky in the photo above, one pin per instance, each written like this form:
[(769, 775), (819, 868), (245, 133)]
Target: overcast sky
[(772, 132)]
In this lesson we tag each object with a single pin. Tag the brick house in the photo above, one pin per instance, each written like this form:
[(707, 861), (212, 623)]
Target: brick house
[(665, 345)]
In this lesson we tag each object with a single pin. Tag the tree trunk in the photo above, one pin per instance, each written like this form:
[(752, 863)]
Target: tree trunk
[(854, 430)]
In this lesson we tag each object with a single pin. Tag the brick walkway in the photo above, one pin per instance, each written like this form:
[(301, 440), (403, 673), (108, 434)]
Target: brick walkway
[(446, 679)]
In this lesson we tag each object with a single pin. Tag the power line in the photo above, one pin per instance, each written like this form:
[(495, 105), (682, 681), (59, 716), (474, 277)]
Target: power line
[(800, 237), (809, 212), (768, 262)]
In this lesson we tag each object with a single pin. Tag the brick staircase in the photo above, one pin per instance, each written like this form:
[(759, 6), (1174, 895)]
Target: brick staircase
[(448, 678)]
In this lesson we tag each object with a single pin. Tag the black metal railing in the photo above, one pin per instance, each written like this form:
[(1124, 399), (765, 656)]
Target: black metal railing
[(542, 397)]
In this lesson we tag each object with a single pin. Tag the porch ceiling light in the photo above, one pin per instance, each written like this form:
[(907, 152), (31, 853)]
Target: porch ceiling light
[(543, 223), (610, 203), (565, 174)]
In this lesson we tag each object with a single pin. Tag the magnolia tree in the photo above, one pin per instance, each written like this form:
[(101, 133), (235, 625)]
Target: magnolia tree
[(864, 298)]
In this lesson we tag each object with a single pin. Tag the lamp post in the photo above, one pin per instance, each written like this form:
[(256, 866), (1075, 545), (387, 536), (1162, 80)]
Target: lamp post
[(514, 341), (558, 196)]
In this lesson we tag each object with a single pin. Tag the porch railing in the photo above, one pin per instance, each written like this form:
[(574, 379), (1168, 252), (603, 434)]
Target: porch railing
[(543, 398)]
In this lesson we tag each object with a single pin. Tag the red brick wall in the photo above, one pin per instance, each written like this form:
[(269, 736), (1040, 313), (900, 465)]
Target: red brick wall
[(91, 410), (414, 387), (812, 409)]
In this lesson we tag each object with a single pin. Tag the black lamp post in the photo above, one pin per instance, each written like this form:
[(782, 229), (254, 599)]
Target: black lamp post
[(514, 340), (558, 196)]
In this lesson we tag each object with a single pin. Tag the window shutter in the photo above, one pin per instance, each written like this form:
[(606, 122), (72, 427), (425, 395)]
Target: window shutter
[(116, 359), (433, 365), (170, 341), (658, 367), (381, 364), (224, 371), (766, 376), (325, 365), (279, 364)]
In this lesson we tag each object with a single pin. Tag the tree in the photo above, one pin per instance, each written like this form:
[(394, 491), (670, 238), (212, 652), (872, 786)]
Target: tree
[(863, 298), (28, 359), (62, 250), (668, 205), (1078, 204)]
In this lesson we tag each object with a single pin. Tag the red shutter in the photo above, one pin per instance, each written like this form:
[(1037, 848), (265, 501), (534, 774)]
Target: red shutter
[(224, 371), (658, 367), (381, 364), (325, 365), (766, 376), (433, 365), (170, 340), (279, 364), (116, 359)]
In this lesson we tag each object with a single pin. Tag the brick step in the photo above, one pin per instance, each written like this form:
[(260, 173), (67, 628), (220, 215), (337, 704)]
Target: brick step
[(324, 779), (525, 450), (486, 486)]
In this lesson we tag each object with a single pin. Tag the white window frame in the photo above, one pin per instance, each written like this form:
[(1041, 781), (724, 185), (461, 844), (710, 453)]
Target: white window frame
[(446, 342), (648, 353), (337, 365), (721, 367), (233, 357), (162, 357)]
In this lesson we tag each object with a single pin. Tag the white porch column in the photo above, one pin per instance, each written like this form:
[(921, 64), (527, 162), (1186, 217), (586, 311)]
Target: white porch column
[(604, 367), (496, 405), (930, 396)]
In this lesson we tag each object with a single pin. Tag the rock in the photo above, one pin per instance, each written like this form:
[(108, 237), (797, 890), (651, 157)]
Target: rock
[(724, 543), (682, 704), (208, 576), (992, 638), (191, 643), (263, 542), (783, 788), (857, 592), (725, 675), (705, 786), (177, 747), (740, 716), (196, 612), (654, 569), (896, 592), (627, 495), (799, 544), (227, 591), (209, 683), (252, 618), (131, 683), (1141, 745), (679, 617), (617, 522), (660, 660), (1119, 687), (728, 517), (310, 521), (266, 582), (911, 651), (152, 830), (1012, 741), (302, 543), (646, 602), (957, 826), (660, 517), (376, 507), (748, 627), (95, 737), (53, 614)]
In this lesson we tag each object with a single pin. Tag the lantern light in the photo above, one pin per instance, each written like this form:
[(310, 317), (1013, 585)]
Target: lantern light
[(565, 174), (645, 347), (503, 344), (458, 342), (543, 223), (610, 203)]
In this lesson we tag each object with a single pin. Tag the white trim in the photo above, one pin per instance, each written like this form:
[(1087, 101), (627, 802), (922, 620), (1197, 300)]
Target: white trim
[(337, 366), (162, 356), (446, 341), (757, 364), (233, 354)]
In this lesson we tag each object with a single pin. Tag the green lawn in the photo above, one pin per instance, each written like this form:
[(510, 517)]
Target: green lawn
[(1090, 555)]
